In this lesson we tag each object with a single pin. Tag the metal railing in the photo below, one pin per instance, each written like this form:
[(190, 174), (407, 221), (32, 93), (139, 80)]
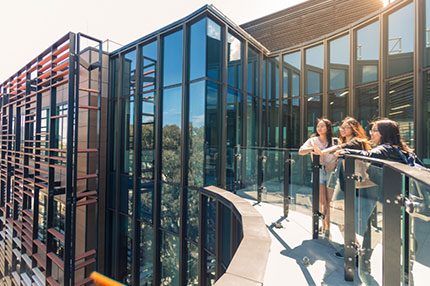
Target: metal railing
[(379, 210)]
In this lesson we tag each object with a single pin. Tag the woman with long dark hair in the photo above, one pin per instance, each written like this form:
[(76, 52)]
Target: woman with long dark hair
[(385, 136), (321, 140)]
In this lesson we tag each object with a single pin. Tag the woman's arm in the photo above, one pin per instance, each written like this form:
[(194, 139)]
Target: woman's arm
[(331, 149), (307, 147), (379, 152)]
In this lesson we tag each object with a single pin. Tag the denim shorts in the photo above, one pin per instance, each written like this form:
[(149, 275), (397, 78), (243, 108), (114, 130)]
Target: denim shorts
[(324, 177)]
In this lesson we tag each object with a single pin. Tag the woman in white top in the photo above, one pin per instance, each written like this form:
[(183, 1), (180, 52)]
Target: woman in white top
[(321, 140)]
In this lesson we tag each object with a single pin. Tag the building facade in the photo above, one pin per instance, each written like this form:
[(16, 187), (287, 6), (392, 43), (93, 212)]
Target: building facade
[(182, 99)]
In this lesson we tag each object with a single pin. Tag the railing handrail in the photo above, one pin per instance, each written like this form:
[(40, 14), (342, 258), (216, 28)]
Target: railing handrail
[(265, 148), (417, 174), (248, 265)]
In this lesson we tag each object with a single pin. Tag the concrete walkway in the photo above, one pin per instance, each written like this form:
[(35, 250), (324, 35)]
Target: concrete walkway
[(296, 259)]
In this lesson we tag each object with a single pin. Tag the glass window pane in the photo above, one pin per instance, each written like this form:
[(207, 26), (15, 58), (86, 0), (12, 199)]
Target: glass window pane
[(170, 207), (146, 200), (171, 134), (129, 73), (149, 66), (291, 74), (367, 53), (234, 128), (148, 135), (198, 49), (225, 225), (427, 34), (339, 63), (273, 78), (193, 264), (400, 48), (314, 66), (196, 134), (128, 135), (252, 116), (273, 123), (253, 60), (172, 59), (214, 52), (234, 52), (212, 134), (169, 259), (291, 122), (210, 226), (126, 195), (146, 254), (366, 104), (192, 214), (400, 101), (114, 127), (337, 106), (125, 241), (313, 112), (426, 113)]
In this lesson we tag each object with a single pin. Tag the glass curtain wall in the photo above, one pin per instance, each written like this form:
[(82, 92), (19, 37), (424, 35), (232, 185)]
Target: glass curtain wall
[(272, 103), (366, 104), (291, 66), (426, 81), (338, 79), (314, 70), (399, 83)]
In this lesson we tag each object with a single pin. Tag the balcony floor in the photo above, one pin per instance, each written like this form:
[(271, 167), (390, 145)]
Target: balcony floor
[(291, 244)]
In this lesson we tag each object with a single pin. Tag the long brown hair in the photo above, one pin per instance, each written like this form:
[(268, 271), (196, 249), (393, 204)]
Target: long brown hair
[(329, 127), (390, 134), (357, 132)]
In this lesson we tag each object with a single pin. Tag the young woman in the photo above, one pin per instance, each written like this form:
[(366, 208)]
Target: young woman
[(385, 135), (321, 140)]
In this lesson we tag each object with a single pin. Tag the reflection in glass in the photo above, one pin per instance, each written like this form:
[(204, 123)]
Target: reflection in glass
[(125, 247), (339, 63), (314, 68), (367, 53), (400, 48), (426, 121), (313, 112), (252, 116), (129, 73), (234, 129), (337, 106), (146, 254), (198, 49), (210, 226), (169, 216), (426, 43), (291, 74), (148, 134), (419, 226), (253, 60), (192, 264), (149, 66), (146, 200), (273, 104), (225, 225), (196, 134), (172, 59), (399, 107), (169, 258), (369, 229), (192, 214), (366, 105), (126, 195), (214, 52), (234, 53), (291, 122), (171, 134), (212, 134)]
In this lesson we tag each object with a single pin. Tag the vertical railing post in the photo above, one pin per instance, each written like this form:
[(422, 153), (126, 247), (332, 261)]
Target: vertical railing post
[(287, 162), (349, 214), (259, 174), (315, 195), (391, 225)]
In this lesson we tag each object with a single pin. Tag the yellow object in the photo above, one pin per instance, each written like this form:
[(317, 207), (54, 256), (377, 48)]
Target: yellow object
[(101, 280)]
